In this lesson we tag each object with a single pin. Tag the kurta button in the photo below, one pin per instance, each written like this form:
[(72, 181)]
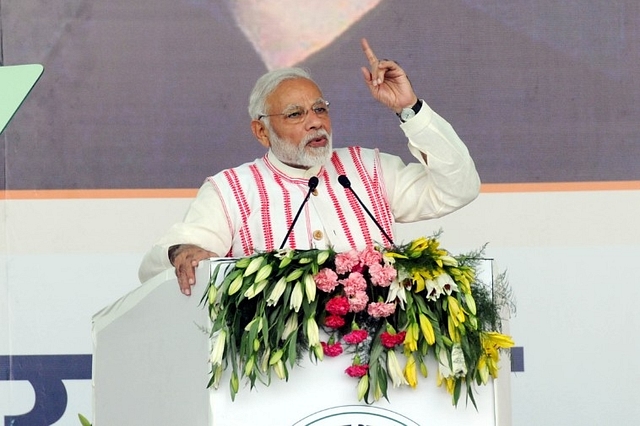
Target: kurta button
[(317, 235)]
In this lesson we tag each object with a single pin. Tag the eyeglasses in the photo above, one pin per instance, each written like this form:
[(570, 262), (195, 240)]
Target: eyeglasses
[(297, 114)]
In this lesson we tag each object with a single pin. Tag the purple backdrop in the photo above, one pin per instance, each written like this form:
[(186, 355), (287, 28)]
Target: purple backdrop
[(153, 93)]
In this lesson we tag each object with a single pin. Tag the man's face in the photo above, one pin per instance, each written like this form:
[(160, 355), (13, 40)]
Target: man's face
[(299, 140)]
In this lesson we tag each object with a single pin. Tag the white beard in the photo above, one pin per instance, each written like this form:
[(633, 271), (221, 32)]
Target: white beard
[(300, 155)]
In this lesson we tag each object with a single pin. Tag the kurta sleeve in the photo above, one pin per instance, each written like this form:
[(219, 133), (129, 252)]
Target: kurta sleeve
[(205, 225), (443, 180)]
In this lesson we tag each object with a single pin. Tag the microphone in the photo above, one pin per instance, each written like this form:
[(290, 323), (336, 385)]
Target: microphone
[(346, 183), (313, 183)]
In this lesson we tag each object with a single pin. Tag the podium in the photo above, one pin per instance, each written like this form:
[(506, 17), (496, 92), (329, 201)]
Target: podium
[(150, 367)]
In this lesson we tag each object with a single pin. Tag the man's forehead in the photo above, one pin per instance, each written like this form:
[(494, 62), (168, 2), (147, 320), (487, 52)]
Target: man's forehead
[(299, 91)]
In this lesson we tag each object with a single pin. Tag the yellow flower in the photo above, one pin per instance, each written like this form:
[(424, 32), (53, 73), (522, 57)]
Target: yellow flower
[(427, 329), (455, 311), (411, 372), (411, 338), (418, 245), (483, 369), (491, 342)]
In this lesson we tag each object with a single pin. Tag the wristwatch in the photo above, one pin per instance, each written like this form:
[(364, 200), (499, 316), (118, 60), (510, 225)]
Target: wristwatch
[(408, 113)]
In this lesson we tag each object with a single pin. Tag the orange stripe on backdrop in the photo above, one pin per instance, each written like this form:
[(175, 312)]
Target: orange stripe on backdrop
[(53, 194)]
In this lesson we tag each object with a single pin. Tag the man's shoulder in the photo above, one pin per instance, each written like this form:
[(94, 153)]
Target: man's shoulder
[(240, 169), (353, 152)]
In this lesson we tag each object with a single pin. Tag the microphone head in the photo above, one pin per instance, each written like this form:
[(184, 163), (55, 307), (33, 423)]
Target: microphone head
[(313, 182), (344, 181)]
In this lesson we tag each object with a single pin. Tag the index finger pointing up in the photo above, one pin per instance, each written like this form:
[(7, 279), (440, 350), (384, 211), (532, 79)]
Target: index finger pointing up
[(371, 57)]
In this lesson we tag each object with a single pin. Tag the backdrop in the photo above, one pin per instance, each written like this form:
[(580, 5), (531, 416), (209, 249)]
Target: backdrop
[(153, 93)]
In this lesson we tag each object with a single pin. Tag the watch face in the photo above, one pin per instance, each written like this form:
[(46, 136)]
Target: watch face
[(406, 114)]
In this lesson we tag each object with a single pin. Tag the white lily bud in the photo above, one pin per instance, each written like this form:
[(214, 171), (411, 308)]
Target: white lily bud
[(277, 291), (296, 297), (217, 351), (313, 334), (291, 326), (310, 287), (255, 264)]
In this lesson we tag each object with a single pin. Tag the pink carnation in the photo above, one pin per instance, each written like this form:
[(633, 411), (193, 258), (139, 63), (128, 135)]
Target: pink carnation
[(355, 337), (382, 275), (358, 301), (357, 370), (389, 340), (338, 305), (370, 256), (334, 321), (347, 261), (380, 309), (354, 283), (326, 280), (331, 349)]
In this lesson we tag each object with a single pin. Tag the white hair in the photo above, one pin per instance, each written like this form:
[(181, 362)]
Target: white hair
[(267, 84)]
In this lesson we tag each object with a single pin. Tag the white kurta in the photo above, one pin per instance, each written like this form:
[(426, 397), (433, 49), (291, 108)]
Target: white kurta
[(250, 207)]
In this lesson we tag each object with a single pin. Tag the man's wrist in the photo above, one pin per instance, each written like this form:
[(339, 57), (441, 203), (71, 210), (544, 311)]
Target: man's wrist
[(173, 252), (408, 113)]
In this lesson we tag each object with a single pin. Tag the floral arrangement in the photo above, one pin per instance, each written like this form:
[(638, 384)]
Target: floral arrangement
[(416, 300)]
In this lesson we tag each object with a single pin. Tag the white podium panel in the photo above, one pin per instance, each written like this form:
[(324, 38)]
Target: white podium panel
[(151, 368)]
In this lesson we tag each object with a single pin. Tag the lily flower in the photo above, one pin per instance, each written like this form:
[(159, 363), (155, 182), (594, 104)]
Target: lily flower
[(277, 291), (411, 372), (296, 297), (394, 370), (363, 386), (217, 351), (290, 326), (313, 334), (310, 287)]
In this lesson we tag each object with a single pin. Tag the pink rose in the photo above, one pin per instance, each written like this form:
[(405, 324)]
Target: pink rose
[(326, 280), (380, 309), (338, 305), (355, 337)]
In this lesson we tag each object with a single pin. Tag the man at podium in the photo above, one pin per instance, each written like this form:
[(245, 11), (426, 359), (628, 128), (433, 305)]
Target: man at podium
[(304, 194)]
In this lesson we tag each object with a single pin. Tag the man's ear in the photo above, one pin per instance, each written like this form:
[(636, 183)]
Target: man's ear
[(261, 133)]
